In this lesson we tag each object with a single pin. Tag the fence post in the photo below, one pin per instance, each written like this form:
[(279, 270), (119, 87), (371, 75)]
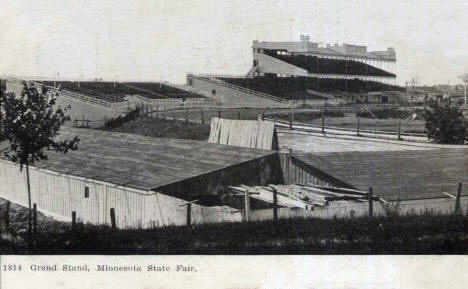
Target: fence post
[(275, 204), (291, 117), (7, 215), (246, 206), (112, 216), (34, 219), (189, 215), (73, 220), (457, 201), (399, 130), (371, 203), (186, 115), (357, 131), (202, 120), (323, 120)]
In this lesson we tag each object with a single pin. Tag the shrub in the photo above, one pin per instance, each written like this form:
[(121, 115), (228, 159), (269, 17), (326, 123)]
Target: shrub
[(445, 123), (120, 120)]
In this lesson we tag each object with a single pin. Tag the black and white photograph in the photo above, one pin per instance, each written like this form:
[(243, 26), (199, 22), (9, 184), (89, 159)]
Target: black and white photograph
[(284, 138)]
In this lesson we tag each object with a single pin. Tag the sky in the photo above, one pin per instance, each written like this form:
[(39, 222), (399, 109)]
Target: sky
[(154, 40)]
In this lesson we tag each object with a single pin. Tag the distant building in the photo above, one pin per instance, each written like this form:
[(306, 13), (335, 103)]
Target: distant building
[(424, 93)]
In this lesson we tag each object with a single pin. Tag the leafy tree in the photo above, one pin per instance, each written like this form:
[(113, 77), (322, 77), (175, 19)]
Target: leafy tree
[(445, 123), (31, 124)]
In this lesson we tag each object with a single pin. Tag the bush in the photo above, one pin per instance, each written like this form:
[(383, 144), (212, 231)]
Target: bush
[(445, 123), (120, 120)]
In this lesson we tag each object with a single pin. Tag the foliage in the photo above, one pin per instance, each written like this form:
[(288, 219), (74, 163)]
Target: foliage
[(445, 123), (154, 127), (409, 234), (31, 124), (120, 120)]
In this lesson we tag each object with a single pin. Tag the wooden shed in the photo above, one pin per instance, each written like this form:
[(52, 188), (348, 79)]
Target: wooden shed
[(144, 179)]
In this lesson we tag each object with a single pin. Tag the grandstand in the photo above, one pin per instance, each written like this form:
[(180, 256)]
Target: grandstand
[(308, 59), (299, 87), (314, 64), (284, 71), (116, 91)]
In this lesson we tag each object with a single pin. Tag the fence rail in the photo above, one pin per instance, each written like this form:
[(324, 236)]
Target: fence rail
[(75, 95), (240, 88)]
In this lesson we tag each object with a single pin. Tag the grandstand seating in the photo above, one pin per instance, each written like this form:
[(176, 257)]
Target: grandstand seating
[(296, 87), (161, 88), (330, 66), (111, 92)]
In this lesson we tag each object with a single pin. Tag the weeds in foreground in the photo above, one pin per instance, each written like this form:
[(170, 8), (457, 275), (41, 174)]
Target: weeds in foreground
[(410, 234)]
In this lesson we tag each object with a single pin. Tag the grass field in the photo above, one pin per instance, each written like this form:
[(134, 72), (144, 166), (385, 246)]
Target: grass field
[(165, 128), (423, 234), (232, 113)]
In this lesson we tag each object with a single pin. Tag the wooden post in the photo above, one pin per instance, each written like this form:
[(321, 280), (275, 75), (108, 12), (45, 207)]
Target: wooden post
[(202, 119), (112, 216), (73, 220), (246, 206), (275, 204), (7, 215), (399, 130), (34, 218), (371, 203), (323, 120), (357, 131), (457, 201), (186, 115), (189, 215)]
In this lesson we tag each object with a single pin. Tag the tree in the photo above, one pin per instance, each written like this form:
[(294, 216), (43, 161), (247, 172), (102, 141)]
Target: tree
[(31, 124), (445, 123)]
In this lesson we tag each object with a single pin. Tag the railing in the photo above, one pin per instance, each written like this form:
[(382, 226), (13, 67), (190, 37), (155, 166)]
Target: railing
[(283, 123), (188, 89), (143, 90), (69, 93), (240, 88)]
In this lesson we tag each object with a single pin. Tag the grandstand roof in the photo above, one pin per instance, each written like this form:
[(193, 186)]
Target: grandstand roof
[(141, 162), (329, 50)]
